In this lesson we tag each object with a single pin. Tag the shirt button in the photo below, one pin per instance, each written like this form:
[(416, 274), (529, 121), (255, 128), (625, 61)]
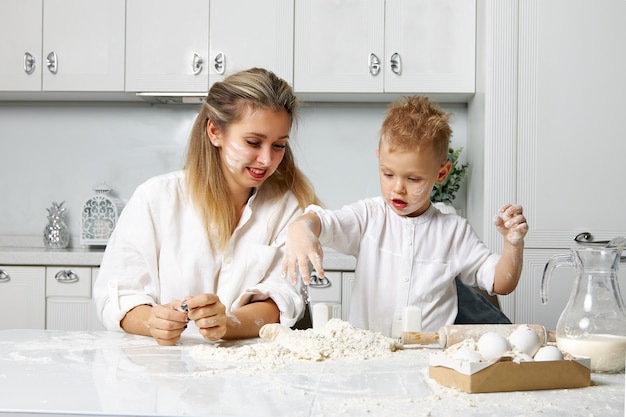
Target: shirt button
[(227, 261)]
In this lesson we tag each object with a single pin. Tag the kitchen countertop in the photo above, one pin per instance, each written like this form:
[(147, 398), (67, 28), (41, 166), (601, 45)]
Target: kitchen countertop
[(114, 374), (92, 256), (17, 255)]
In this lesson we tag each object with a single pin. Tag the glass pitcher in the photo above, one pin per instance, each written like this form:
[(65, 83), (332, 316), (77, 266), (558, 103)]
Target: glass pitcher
[(593, 323)]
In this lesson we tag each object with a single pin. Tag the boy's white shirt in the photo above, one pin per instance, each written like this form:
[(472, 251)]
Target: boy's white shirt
[(159, 252), (405, 261)]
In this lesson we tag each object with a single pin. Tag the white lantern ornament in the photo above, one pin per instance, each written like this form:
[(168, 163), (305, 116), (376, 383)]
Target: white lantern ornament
[(99, 216)]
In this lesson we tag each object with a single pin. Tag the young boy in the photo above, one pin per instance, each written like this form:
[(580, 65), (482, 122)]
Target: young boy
[(408, 252)]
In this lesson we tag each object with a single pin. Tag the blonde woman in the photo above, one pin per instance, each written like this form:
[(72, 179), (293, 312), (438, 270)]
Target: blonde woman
[(201, 248)]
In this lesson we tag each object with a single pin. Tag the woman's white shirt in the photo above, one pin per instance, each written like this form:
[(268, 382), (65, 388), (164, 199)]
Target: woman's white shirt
[(159, 252)]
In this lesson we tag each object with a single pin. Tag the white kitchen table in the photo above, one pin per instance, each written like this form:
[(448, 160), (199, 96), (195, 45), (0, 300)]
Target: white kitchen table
[(115, 374)]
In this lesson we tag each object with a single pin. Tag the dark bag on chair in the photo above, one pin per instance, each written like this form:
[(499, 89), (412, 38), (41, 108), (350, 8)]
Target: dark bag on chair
[(476, 309)]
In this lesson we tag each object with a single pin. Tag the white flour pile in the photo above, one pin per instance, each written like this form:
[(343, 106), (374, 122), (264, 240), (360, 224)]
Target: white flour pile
[(336, 340)]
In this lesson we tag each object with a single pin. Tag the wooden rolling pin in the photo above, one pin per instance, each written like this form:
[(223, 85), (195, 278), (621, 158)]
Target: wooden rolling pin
[(455, 333)]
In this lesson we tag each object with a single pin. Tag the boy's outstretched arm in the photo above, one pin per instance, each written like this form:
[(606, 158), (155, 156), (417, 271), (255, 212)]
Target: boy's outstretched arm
[(302, 245), (513, 227)]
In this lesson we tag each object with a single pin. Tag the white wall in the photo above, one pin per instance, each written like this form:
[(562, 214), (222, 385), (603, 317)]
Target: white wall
[(58, 151)]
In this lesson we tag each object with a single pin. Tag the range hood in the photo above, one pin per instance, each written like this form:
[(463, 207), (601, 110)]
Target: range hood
[(172, 98)]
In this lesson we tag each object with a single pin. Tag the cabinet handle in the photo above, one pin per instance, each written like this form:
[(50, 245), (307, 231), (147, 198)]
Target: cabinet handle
[(29, 63), (66, 276), (396, 64), (4, 277), (51, 62), (374, 65), (317, 282), (586, 237), (220, 63), (196, 64)]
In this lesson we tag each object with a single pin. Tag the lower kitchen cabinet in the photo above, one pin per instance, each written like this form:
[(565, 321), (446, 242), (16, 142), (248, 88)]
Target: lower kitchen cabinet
[(328, 292), (346, 290), (59, 297), (335, 292), (22, 297), (47, 297), (69, 305)]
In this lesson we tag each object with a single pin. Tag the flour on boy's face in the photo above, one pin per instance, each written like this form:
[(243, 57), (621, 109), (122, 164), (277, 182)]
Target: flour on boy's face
[(407, 179)]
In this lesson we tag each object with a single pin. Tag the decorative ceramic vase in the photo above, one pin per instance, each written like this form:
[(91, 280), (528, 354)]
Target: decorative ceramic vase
[(99, 216), (56, 234)]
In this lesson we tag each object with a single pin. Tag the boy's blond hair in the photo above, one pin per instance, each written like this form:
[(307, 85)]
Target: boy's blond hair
[(416, 124)]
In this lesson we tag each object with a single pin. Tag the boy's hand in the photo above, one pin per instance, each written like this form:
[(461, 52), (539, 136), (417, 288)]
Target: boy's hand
[(302, 246), (511, 224)]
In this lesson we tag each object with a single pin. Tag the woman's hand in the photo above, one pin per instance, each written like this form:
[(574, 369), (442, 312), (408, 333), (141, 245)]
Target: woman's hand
[(209, 314), (511, 224), (166, 322)]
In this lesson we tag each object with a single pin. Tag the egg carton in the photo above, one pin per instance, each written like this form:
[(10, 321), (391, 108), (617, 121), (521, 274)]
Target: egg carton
[(506, 374)]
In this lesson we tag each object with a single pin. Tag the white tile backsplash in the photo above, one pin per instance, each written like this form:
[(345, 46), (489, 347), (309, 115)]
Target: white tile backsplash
[(58, 151)]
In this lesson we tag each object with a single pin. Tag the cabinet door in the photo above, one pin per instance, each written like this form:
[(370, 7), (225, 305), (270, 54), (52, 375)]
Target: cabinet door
[(334, 41), (346, 293), (167, 45), (68, 281), (430, 46), (260, 37), (571, 108), (69, 305), (83, 45), (20, 29), (22, 297), (328, 293)]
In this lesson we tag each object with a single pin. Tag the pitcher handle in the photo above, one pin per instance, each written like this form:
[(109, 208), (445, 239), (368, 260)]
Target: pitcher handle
[(553, 263)]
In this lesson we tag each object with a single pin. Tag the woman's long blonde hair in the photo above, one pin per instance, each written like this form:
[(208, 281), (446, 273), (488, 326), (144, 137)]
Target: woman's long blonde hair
[(225, 104)]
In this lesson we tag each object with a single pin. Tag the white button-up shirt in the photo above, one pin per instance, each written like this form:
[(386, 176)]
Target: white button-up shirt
[(405, 261), (159, 251)]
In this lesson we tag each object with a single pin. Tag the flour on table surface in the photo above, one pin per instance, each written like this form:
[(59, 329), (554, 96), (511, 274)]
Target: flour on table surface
[(337, 340)]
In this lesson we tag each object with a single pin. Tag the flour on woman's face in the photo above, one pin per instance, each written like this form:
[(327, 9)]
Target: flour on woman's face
[(253, 148), (235, 156)]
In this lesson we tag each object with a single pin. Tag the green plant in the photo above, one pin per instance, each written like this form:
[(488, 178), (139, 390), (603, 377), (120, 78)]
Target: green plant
[(446, 191)]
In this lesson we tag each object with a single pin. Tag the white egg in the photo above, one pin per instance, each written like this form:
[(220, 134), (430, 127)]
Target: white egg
[(525, 340), (467, 354), (492, 346), (548, 353)]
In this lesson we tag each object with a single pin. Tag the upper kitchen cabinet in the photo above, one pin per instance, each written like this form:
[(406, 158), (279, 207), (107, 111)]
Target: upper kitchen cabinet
[(378, 46), (62, 45), (167, 46), (260, 37)]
